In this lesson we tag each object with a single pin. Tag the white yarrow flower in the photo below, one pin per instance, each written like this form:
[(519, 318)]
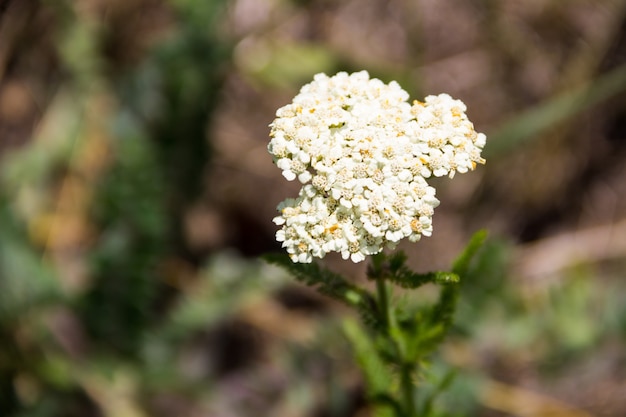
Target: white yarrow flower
[(363, 154)]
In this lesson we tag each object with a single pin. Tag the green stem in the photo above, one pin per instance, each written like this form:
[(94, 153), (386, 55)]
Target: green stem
[(408, 390), (406, 382), (383, 302)]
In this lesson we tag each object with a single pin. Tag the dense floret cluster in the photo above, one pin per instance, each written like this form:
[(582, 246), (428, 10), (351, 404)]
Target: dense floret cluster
[(363, 154)]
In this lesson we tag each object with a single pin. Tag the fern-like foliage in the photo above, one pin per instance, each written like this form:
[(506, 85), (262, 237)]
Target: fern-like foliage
[(441, 386), (377, 374), (461, 264), (330, 284), (395, 347), (443, 311), (394, 269), (406, 278)]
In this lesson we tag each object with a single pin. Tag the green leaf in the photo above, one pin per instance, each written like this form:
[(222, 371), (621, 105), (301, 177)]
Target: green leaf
[(443, 312), (441, 386), (397, 261), (461, 264), (377, 376), (394, 268), (330, 284), (409, 279)]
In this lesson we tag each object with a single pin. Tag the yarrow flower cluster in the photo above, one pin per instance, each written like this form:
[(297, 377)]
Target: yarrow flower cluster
[(363, 154)]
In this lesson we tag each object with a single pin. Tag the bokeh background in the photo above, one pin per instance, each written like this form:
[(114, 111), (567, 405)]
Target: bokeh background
[(136, 194)]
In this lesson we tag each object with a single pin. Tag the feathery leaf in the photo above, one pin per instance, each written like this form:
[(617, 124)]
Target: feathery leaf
[(330, 284)]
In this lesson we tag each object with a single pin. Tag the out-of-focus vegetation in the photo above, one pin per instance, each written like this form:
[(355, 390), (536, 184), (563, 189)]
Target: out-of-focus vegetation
[(136, 194)]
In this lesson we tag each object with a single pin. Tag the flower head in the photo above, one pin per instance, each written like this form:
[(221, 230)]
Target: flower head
[(363, 154)]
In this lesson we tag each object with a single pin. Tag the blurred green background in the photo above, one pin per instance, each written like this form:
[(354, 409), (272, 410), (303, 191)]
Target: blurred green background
[(136, 193)]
